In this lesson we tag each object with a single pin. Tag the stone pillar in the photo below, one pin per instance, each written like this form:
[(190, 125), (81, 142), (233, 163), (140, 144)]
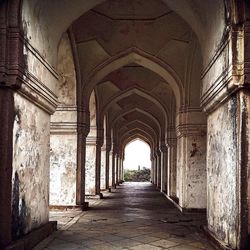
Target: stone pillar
[(191, 163), (172, 160), (113, 166), (63, 157), (152, 168), (82, 132), (226, 99), (227, 170), (6, 146), (108, 166), (90, 164), (80, 171), (121, 169), (158, 155), (164, 167), (111, 181), (155, 169), (103, 168), (117, 169), (99, 143)]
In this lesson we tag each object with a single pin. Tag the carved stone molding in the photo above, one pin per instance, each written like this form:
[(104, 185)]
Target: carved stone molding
[(228, 72)]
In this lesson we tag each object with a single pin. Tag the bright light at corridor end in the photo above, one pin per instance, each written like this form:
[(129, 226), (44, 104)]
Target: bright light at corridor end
[(137, 153)]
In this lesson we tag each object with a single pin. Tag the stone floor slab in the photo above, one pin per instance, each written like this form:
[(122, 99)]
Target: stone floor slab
[(133, 216)]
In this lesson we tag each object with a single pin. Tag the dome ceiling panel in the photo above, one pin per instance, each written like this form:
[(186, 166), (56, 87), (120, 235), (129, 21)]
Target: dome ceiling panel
[(132, 9), (127, 77), (86, 51), (126, 124), (116, 36), (150, 108), (135, 100), (105, 90), (113, 110)]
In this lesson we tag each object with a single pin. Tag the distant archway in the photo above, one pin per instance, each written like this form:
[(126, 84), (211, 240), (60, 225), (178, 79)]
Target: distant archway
[(137, 157)]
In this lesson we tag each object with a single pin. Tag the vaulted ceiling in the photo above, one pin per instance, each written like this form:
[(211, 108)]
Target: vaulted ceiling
[(146, 54)]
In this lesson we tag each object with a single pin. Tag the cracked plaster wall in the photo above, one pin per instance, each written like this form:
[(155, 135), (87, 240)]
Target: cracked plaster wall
[(191, 172), (222, 172), (90, 168), (30, 181), (63, 169), (63, 138)]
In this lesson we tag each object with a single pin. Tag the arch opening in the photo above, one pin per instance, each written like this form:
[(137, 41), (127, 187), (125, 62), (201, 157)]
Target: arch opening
[(137, 162)]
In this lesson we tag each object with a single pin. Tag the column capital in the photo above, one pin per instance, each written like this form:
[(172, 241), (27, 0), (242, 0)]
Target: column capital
[(83, 129), (171, 142), (163, 148), (157, 152), (185, 130), (191, 121)]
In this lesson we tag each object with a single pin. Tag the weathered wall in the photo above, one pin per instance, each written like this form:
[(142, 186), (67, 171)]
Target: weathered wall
[(66, 88), (30, 182), (63, 138), (40, 21), (191, 159), (172, 161), (197, 174), (63, 151), (90, 168), (222, 172)]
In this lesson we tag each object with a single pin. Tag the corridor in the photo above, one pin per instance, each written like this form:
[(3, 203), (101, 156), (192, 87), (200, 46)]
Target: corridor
[(133, 216)]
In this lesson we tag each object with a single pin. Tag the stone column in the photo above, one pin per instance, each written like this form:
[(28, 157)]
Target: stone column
[(113, 166), (108, 166), (6, 146), (158, 155), (117, 169), (111, 180), (191, 163), (80, 171), (90, 163), (164, 167), (103, 167), (172, 160), (82, 132), (99, 143), (152, 168), (63, 156), (121, 169), (226, 99), (155, 169)]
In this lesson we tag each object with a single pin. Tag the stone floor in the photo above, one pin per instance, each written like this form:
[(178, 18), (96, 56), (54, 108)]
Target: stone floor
[(133, 216)]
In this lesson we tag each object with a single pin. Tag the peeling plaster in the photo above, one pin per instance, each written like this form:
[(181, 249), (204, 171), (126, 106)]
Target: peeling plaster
[(30, 180), (63, 151)]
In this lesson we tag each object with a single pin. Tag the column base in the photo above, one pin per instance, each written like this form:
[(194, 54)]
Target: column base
[(175, 201), (34, 237), (95, 196), (82, 207), (214, 241)]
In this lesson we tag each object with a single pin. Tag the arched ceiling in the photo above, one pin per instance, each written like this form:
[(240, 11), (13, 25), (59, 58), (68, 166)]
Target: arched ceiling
[(137, 124), (204, 17), (138, 56)]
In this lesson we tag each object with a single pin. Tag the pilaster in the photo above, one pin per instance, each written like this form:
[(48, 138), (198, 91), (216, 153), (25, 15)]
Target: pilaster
[(164, 167), (191, 163)]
